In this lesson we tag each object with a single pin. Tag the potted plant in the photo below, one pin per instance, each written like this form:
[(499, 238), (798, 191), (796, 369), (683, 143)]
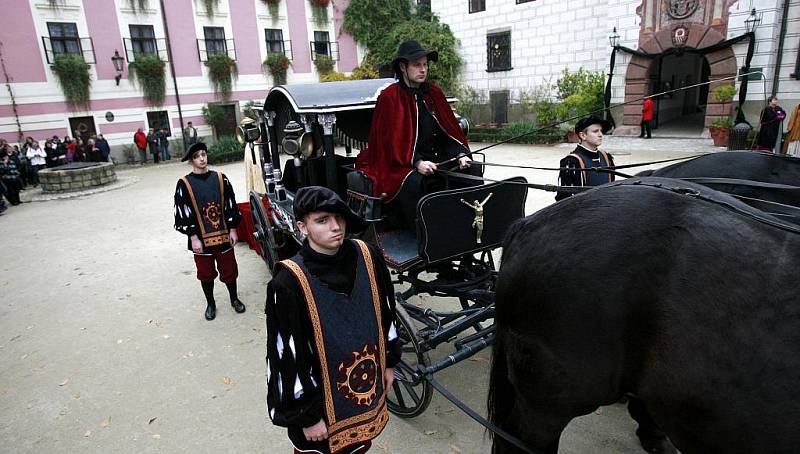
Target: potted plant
[(221, 72), (323, 63), (319, 11), (276, 65), (720, 130), (148, 71), (73, 77), (214, 115), (272, 6)]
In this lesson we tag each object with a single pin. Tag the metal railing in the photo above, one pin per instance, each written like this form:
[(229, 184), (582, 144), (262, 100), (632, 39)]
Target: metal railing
[(287, 48), (159, 47), (85, 49), (203, 51), (332, 49)]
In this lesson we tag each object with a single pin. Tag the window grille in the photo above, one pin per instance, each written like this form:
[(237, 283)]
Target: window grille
[(498, 48), (64, 38), (321, 44), (143, 39), (215, 41), (476, 6), (274, 37)]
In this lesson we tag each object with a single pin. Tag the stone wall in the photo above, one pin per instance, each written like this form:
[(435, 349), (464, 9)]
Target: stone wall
[(77, 179)]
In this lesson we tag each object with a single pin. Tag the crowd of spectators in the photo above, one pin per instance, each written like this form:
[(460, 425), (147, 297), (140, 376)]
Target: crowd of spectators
[(19, 168)]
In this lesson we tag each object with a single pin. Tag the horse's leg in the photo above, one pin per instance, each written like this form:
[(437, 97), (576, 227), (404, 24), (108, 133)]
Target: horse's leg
[(652, 438)]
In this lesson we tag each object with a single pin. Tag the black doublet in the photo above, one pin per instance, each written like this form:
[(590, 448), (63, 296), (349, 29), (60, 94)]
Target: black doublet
[(583, 158), (287, 317)]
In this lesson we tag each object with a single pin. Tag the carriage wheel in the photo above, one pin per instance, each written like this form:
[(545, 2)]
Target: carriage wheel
[(263, 231), (410, 395)]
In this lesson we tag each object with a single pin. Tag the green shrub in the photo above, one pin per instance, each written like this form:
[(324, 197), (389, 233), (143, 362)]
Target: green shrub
[(722, 122), (364, 71), (724, 93), (73, 76), (227, 149), (148, 70), (468, 97), (221, 72), (210, 5), (513, 131), (319, 11), (277, 65), (323, 63), (214, 115), (333, 76)]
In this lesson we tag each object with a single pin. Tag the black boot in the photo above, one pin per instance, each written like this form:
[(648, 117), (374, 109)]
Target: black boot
[(238, 306), (211, 308)]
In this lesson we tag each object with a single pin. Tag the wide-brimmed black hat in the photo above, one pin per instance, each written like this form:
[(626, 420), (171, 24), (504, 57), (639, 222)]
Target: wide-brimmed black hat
[(585, 122), (192, 150), (412, 50), (317, 198)]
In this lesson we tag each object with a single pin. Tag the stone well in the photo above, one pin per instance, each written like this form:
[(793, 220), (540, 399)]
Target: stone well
[(77, 176)]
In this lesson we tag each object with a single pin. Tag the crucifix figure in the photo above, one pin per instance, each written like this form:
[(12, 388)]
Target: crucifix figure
[(477, 223)]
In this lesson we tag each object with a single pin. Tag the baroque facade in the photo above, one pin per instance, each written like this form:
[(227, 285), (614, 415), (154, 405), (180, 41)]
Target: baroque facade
[(33, 104), (512, 47)]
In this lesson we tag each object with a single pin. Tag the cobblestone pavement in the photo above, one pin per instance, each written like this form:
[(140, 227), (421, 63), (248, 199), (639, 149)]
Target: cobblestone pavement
[(104, 347)]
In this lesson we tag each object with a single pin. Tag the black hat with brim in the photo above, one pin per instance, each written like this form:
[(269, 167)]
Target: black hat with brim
[(585, 122), (310, 199), (192, 150), (409, 51)]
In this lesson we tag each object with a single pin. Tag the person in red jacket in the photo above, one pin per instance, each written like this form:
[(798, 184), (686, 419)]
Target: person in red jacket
[(141, 143), (413, 132), (647, 117)]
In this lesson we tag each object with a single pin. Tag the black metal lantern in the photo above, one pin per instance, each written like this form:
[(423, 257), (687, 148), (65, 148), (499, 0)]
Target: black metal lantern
[(613, 38), (117, 60), (752, 22)]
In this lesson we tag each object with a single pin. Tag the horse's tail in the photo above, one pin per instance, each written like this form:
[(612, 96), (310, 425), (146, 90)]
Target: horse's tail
[(500, 399)]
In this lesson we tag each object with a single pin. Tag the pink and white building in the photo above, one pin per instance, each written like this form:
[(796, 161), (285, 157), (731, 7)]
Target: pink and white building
[(33, 104)]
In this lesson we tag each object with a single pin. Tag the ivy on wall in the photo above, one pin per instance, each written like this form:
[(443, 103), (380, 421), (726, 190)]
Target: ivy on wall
[(277, 65), (73, 76), (221, 72), (148, 71)]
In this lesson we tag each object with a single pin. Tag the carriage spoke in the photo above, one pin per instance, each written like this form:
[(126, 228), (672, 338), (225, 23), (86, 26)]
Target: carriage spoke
[(399, 394)]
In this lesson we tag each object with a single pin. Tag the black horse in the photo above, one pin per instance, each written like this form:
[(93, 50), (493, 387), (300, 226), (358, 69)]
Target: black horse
[(660, 288), (756, 178)]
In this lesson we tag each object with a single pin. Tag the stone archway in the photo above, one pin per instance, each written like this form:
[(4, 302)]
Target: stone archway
[(722, 64)]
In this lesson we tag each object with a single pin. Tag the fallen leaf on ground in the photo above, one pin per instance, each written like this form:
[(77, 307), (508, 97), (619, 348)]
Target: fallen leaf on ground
[(87, 434), (156, 436), (227, 380), (382, 446), (106, 422), (66, 380), (166, 336), (152, 419), (455, 448), (430, 432)]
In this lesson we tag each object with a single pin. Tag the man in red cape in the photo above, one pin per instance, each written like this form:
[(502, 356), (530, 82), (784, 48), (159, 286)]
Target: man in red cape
[(413, 132)]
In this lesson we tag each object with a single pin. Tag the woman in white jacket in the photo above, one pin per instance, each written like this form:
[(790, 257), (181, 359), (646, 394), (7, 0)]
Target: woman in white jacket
[(38, 160)]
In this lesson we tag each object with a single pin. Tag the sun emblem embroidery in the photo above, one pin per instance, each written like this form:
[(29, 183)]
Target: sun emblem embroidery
[(212, 214), (357, 376)]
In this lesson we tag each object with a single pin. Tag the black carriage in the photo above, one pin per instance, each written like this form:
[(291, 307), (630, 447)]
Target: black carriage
[(447, 256)]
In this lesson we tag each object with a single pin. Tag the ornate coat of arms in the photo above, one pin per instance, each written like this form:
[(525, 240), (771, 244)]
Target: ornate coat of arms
[(681, 9)]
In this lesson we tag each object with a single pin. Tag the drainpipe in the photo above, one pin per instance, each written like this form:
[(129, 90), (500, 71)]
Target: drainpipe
[(172, 70), (779, 61)]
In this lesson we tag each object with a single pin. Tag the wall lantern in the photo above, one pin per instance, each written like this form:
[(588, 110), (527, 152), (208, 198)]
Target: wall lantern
[(117, 60)]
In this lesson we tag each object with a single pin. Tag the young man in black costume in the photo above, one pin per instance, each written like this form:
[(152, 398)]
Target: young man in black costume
[(206, 212), (590, 131), (331, 339)]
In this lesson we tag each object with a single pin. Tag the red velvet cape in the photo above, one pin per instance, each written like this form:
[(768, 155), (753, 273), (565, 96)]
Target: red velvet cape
[(393, 134), (647, 109)]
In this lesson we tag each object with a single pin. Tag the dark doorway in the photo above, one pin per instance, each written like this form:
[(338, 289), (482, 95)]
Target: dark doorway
[(227, 127), (499, 102), (82, 127), (680, 112), (159, 120)]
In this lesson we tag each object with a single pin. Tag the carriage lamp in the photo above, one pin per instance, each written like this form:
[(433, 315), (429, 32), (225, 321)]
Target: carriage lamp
[(752, 22), (613, 38), (296, 141), (247, 131), (117, 61)]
